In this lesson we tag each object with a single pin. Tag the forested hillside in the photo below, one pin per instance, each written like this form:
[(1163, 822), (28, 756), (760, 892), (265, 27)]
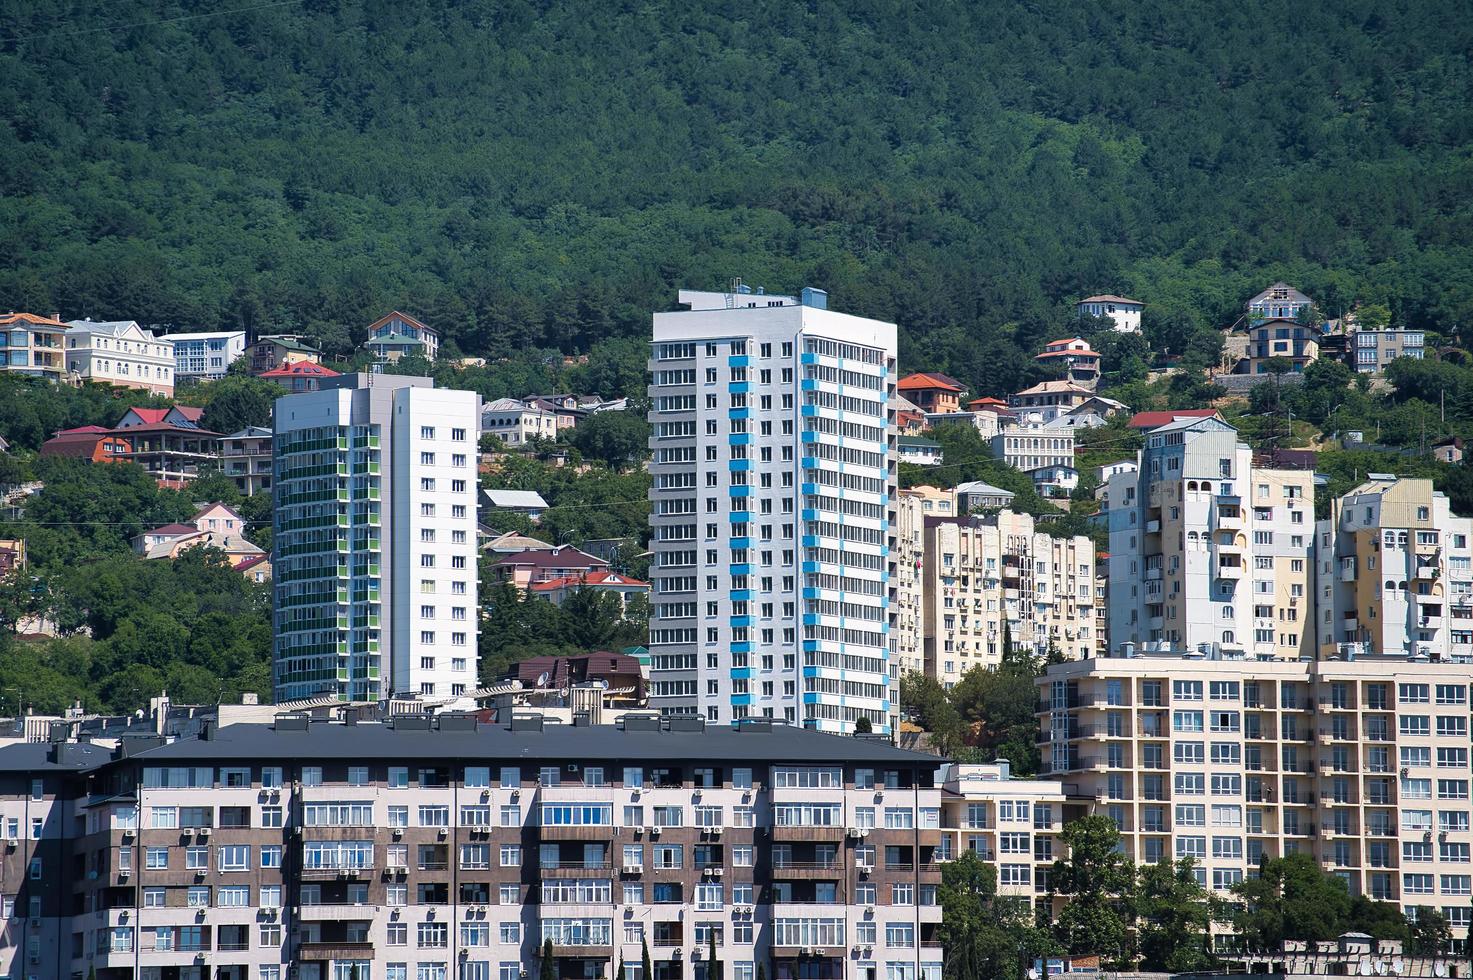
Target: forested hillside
[(546, 173)]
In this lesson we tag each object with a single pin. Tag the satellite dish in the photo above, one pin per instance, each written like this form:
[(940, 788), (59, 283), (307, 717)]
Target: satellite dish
[(1032, 973), (542, 679), (1439, 969), (1397, 966), (1365, 968), (1380, 968)]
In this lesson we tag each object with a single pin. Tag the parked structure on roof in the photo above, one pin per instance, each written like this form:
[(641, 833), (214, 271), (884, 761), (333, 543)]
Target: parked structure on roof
[(121, 353), (1122, 311)]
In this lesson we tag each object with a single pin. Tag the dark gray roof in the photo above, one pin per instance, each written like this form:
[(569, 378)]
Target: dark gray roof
[(556, 743), (36, 757)]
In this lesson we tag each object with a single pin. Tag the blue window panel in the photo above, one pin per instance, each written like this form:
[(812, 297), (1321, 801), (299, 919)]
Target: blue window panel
[(808, 514), (738, 360), (737, 388), (810, 436), (810, 619), (808, 357), (738, 465), (742, 569), (741, 674), (808, 384), (742, 542), (741, 491), (807, 488), (741, 699), (741, 620), (739, 413), (808, 462), (743, 647), (740, 439), (809, 411)]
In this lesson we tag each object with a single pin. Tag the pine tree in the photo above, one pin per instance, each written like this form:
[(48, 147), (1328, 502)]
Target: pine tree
[(648, 971), (549, 965), (713, 966)]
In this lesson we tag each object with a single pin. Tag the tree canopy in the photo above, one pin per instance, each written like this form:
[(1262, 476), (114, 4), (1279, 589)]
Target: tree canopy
[(543, 175)]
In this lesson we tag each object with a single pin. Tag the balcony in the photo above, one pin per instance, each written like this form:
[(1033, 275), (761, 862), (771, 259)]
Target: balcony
[(336, 913), (321, 951)]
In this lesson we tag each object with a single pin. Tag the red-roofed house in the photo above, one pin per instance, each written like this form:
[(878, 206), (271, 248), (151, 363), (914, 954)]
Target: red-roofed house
[(932, 392), (557, 591), (300, 376), (526, 568), (1154, 420), (141, 416), (90, 442), (172, 453), (1080, 362)]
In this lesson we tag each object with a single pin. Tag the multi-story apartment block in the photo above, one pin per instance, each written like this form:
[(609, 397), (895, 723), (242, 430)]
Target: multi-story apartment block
[(438, 848), (206, 355), (1010, 823), (1371, 351), (774, 481), (1207, 551), (121, 353), (982, 572), (1395, 572), (1274, 330), (907, 562), (1360, 761), (33, 345), (375, 539), (245, 457)]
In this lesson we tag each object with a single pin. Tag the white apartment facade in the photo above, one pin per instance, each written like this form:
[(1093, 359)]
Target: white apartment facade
[(206, 355), (1360, 762), (1395, 572), (1208, 551), (120, 353), (375, 547), (982, 572), (774, 482)]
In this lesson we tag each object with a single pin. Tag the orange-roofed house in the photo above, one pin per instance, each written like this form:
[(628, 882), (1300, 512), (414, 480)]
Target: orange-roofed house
[(1074, 358), (34, 345), (90, 442), (299, 376), (557, 591), (931, 392)]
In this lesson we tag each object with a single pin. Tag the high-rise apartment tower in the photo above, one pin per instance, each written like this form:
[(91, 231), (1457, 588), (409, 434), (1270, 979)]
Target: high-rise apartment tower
[(774, 490)]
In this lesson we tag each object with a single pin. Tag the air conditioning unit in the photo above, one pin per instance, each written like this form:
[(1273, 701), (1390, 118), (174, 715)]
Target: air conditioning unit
[(485, 794), (854, 832), (864, 831), (398, 832), (716, 831), (807, 950), (128, 835), (869, 910), (188, 831), (718, 872), (125, 874), (442, 832), (204, 831), (653, 831), (633, 869), (865, 869)]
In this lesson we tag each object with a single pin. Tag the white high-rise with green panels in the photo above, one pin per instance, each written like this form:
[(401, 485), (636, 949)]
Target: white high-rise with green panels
[(374, 556)]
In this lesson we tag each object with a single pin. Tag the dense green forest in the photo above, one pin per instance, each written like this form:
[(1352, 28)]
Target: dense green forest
[(544, 174)]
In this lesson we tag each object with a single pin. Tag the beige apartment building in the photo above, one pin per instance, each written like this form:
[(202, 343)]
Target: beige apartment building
[(1360, 761), (979, 571), (1395, 572), (1010, 823), (907, 554), (1209, 552)]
